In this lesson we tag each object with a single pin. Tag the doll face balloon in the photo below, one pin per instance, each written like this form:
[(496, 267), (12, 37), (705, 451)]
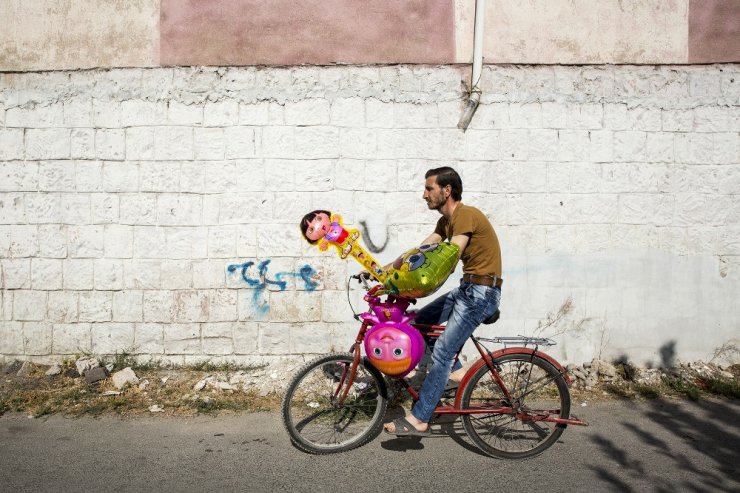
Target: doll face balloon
[(319, 227), (394, 349)]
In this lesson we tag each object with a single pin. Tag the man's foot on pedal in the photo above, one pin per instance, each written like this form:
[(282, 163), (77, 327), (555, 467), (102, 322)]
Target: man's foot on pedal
[(408, 426)]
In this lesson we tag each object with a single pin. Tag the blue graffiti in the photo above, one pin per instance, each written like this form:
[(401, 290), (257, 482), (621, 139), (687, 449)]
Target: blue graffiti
[(260, 281)]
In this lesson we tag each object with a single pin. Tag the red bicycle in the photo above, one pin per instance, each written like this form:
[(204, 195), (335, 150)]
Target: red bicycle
[(514, 402)]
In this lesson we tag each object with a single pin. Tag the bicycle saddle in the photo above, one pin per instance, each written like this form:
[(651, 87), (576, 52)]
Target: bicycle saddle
[(492, 318)]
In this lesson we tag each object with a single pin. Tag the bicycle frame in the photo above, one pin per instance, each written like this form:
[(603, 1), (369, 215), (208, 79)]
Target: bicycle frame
[(487, 358)]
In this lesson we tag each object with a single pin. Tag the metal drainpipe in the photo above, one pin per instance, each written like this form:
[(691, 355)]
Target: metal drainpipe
[(474, 94)]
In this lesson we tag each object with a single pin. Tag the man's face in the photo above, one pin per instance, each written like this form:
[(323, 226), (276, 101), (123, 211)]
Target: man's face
[(318, 228), (433, 194)]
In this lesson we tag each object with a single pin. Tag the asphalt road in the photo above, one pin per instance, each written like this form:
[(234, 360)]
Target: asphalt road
[(660, 445)]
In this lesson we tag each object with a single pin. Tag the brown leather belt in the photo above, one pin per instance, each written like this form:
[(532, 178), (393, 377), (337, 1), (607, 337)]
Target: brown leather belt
[(482, 280)]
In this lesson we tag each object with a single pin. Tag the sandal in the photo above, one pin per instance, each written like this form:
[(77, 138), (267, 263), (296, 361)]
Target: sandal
[(406, 429)]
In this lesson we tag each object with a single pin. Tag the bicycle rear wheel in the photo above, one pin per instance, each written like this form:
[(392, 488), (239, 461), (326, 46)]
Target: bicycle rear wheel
[(315, 420), (516, 430)]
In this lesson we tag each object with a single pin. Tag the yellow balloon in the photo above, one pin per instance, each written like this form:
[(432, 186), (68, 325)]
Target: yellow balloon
[(422, 270)]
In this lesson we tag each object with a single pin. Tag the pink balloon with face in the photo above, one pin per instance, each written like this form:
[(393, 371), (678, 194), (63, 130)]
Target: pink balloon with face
[(394, 348)]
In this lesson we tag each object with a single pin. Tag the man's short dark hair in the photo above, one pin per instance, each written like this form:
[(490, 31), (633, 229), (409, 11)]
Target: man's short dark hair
[(307, 220), (448, 176)]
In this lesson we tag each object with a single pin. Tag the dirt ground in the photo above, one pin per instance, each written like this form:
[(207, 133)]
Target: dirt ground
[(207, 390)]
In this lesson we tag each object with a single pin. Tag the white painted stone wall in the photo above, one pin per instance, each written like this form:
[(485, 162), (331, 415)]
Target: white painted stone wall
[(126, 195)]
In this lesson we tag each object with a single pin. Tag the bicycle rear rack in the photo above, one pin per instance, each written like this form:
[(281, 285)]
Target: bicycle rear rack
[(519, 341)]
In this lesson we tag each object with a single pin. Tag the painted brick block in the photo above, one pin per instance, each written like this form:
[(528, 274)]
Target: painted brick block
[(334, 307), (348, 112), (177, 274), (46, 274), (110, 144), (75, 208), (222, 305), (112, 338), (182, 339), (63, 307), (209, 143), (184, 243), (310, 338), (29, 305), (274, 338), (52, 241), (78, 112), (108, 274), (96, 306), (629, 146), (78, 274), (120, 177), (118, 241), (173, 143), (139, 143), (217, 338), (35, 117), (316, 142), (138, 208), (180, 113), (127, 306), (18, 176), (50, 143), (179, 210), (308, 112), (71, 338), (105, 208), (54, 176), (278, 142), (158, 306), (86, 241), (13, 210), (191, 306), (149, 338), (295, 306), (43, 208), (142, 274), (37, 338), (139, 113), (23, 241), (11, 338), (245, 336), (11, 143), (89, 176), (254, 113), (357, 143), (16, 273)]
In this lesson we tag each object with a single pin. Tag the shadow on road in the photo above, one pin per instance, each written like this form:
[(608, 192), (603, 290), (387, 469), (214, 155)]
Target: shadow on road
[(711, 432)]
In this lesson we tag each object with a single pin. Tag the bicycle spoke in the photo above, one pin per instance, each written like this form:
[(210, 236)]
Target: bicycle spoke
[(511, 430), (318, 419)]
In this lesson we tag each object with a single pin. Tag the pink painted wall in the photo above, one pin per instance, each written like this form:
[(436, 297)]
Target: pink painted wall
[(286, 32), (714, 31)]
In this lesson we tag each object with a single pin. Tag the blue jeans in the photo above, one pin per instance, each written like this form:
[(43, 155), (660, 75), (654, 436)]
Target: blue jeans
[(463, 308)]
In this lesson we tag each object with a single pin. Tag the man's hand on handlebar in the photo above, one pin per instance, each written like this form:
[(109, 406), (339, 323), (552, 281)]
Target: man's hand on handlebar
[(362, 278)]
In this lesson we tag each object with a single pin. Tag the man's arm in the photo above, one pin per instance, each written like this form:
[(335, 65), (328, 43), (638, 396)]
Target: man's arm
[(461, 241), (432, 238)]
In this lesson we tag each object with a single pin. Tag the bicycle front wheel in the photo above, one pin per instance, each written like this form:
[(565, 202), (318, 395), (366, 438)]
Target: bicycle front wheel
[(313, 415), (516, 427)]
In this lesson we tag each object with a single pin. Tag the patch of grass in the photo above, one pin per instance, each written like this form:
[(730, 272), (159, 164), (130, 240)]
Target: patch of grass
[(224, 366), (43, 410), (682, 386), (723, 387), (633, 391)]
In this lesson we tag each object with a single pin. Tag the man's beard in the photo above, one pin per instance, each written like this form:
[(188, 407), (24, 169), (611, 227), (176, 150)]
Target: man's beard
[(435, 205)]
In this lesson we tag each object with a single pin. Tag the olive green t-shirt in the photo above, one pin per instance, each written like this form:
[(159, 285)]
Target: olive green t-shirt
[(482, 256)]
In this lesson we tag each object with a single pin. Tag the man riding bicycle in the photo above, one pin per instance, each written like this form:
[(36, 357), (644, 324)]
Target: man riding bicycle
[(463, 308)]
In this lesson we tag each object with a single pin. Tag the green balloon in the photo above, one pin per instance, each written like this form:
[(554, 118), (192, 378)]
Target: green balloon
[(422, 270)]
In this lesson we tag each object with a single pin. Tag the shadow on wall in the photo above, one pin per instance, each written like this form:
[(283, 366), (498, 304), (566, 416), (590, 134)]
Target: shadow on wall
[(667, 358), (700, 432)]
